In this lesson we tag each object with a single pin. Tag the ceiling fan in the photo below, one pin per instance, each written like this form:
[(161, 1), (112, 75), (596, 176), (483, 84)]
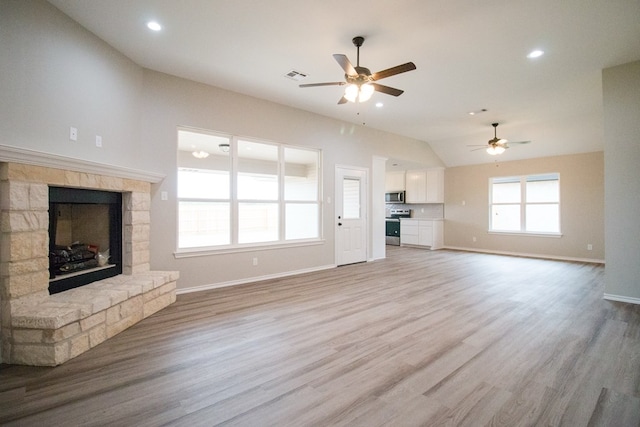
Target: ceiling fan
[(360, 81), (496, 145)]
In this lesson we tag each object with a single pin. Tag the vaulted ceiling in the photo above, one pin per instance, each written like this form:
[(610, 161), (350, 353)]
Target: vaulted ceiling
[(470, 55)]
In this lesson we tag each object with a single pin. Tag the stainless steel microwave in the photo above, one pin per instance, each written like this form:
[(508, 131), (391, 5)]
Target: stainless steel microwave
[(394, 197)]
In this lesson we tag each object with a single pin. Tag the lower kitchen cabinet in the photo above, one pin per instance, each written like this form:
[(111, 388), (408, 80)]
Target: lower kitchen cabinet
[(422, 232)]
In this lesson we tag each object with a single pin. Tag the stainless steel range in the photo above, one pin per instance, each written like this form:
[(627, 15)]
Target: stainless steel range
[(393, 225)]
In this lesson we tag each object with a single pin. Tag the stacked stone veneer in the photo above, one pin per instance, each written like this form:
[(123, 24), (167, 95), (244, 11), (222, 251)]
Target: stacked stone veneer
[(46, 330)]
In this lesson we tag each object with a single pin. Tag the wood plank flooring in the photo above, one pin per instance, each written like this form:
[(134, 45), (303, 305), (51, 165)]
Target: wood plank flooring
[(420, 338)]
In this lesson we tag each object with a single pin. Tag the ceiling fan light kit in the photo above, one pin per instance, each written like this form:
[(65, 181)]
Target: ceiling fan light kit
[(495, 149), (360, 81), (355, 93), (497, 145)]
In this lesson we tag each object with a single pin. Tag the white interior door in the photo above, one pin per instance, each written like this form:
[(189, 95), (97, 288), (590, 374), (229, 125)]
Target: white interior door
[(351, 215)]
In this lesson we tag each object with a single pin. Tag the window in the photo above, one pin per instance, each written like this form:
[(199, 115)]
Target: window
[(236, 192), (525, 204)]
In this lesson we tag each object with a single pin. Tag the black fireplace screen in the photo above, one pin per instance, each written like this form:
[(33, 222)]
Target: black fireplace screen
[(85, 237)]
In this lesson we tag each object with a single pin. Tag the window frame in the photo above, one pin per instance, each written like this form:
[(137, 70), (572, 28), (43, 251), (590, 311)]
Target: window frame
[(235, 202), (523, 179)]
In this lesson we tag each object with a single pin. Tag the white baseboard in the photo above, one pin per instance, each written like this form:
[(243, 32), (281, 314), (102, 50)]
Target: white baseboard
[(621, 298), (251, 279), (526, 255)]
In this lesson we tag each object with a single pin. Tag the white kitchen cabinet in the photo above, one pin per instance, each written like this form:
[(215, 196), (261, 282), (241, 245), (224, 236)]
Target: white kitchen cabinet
[(416, 182), (422, 232), (435, 186), (425, 186), (409, 232), (394, 181)]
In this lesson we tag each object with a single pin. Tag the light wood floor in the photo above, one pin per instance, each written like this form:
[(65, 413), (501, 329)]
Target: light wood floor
[(420, 338)]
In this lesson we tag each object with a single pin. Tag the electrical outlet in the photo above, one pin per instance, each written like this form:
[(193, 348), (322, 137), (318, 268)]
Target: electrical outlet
[(589, 247), (98, 141), (255, 261), (474, 238), (73, 133), (164, 195)]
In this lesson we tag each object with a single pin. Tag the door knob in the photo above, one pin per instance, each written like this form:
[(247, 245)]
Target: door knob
[(339, 223)]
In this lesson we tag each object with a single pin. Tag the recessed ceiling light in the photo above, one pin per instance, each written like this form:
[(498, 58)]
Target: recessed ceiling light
[(154, 26), (535, 54), (379, 104)]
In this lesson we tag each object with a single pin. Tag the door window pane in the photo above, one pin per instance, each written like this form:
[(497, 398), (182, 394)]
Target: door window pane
[(351, 198)]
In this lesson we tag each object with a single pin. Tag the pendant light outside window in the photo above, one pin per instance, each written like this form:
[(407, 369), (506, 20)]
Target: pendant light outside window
[(200, 154)]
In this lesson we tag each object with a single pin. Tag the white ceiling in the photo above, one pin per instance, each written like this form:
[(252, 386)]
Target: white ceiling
[(470, 55)]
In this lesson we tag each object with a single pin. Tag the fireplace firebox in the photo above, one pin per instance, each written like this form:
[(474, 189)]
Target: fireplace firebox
[(85, 237)]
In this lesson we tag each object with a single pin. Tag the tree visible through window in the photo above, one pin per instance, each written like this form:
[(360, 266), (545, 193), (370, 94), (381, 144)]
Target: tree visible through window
[(525, 204), (232, 191)]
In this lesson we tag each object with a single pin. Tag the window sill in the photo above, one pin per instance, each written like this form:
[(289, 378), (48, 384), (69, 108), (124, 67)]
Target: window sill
[(198, 252), (524, 233)]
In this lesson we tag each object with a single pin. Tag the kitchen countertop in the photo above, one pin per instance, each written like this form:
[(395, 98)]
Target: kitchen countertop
[(423, 219)]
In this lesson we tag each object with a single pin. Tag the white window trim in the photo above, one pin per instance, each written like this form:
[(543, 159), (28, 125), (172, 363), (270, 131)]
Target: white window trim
[(523, 179), (248, 247), (524, 233), (234, 202)]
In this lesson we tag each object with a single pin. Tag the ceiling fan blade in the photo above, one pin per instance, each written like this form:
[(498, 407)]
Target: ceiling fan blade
[(393, 71), (324, 84), (344, 62), (386, 89), (520, 142), (343, 100)]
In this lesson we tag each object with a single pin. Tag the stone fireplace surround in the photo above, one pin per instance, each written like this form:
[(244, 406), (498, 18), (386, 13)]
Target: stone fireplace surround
[(46, 330)]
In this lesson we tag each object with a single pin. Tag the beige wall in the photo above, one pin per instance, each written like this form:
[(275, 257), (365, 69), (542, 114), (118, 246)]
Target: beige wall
[(582, 207), (621, 86)]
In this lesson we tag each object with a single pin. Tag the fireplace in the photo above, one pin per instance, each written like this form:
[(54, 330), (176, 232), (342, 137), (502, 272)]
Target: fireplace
[(43, 328), (85, 237)]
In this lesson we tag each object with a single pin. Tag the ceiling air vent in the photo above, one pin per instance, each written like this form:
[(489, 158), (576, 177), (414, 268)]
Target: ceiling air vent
[(295, 75)]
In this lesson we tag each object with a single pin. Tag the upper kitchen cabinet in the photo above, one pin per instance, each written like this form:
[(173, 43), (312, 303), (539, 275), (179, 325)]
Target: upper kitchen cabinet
[(394, 181), (425, 186)]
